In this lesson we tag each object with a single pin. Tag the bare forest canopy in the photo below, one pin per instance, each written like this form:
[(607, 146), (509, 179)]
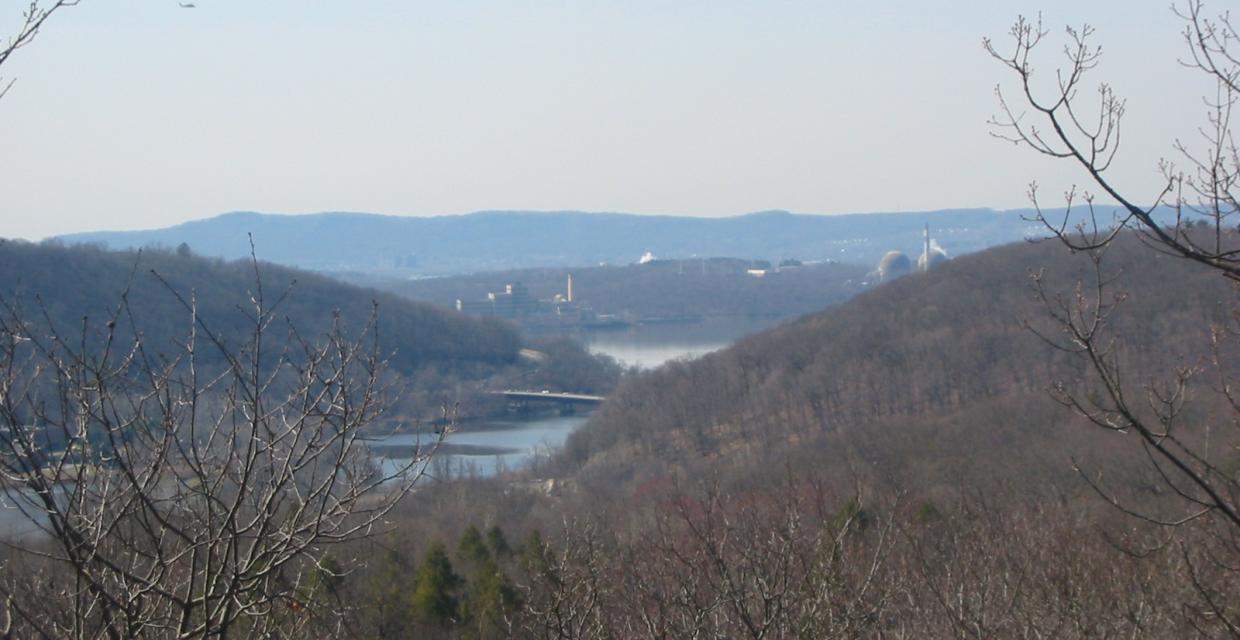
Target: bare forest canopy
[(1037, 440), (440, 355), (896, 463), (931, 379), (500, 240), (662, 288)]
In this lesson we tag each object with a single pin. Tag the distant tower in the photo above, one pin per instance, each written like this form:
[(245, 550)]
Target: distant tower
[(925, 254), (570, 288), (932, 254)]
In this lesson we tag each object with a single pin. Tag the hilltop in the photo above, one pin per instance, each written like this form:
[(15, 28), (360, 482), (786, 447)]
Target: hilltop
[(932, 378), (894, 463), (500, 240), (438, 354)]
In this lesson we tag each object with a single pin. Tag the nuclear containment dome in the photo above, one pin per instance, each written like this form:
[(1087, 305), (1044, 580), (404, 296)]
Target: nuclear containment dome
[(893, 265), (936, 257)]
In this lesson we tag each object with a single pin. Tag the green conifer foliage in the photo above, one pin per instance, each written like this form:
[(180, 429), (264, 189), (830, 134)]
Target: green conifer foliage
[(472, 549), (435, 584), (387, 594), (498, 542), (490, 594)]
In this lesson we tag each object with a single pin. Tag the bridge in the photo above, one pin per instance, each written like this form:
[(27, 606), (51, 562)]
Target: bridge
[(567, 401)]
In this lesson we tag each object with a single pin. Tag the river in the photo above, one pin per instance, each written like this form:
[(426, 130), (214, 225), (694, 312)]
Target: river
[(489, 447), (486, 448), (649, 345), (482, 448)]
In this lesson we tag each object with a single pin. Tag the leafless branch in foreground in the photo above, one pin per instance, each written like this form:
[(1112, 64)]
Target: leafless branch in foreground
[(188, 490)]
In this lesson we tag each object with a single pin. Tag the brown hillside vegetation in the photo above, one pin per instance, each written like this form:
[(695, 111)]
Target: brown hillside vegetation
[(931, 373), (895, 467), (438, 355)]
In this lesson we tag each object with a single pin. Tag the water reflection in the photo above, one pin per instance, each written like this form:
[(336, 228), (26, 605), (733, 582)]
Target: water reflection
[(649, 345), (494, 446), (482, 449)]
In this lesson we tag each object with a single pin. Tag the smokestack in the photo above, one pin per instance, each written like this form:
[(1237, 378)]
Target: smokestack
[(925, 234), (570, 287)]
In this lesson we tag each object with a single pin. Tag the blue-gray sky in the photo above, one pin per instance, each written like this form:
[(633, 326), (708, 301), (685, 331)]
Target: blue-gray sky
[(138, 113)]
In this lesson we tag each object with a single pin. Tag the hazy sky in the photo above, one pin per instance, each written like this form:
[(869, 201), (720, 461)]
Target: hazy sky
[(138, 113)]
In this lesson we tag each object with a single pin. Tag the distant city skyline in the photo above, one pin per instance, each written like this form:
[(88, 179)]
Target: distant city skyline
[(135, 115)]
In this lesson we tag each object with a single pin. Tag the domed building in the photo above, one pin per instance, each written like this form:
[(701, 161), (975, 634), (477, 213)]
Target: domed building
[(893, 265), (896, 263), (937, 256)]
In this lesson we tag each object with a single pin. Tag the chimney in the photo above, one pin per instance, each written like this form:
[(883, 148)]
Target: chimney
[(926, 250), (570, 287)]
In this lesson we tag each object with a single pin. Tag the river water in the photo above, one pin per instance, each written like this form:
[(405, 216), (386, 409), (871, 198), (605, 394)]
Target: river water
[(648, 346), (490, 447), (493, 446), (481, 448)]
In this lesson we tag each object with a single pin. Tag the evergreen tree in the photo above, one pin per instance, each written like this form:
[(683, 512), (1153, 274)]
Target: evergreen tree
[(498, 542), (490, 593), (533, 553), (472, 549), (387, 594), (434, 588)]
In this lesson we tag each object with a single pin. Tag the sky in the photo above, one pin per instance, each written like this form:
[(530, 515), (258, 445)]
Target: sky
[(132, 114)]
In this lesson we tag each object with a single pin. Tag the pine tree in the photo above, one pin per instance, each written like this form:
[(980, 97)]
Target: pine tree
[(434, 588), (498, 542), (472, 549)]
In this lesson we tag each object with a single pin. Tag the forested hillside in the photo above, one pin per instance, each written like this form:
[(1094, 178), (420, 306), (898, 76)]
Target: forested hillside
[(930, 376), (898, 466), (439, 354)]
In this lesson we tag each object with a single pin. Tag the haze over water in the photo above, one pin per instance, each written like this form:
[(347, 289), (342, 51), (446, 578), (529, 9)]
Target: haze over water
[(648, 346), (643, 346)]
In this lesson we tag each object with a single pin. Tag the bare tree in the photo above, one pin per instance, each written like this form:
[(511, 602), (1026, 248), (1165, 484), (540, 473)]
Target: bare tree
[(1192, 214), (33, 17), (1063, 125), (183, 490), (192, 489)]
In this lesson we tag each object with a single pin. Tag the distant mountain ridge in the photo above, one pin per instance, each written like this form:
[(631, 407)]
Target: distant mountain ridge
[(496, 240)]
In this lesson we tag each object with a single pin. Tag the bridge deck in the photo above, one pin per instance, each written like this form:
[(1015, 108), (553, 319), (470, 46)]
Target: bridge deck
[(550, 396)]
